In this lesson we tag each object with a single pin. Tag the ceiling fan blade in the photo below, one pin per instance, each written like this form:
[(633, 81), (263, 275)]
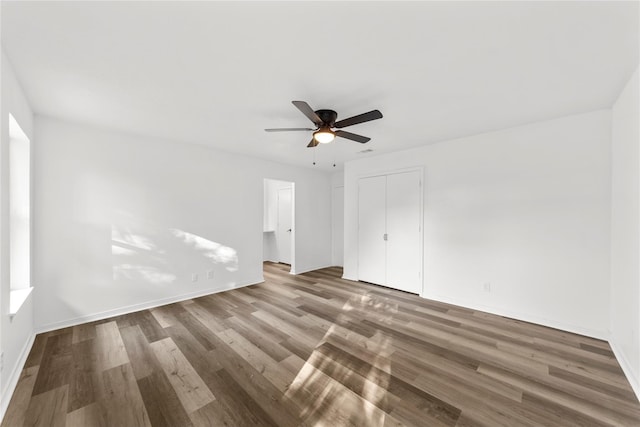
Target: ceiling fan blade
[(352, 136), (287, 129), (360, 118), (308, 111), (313, 143)]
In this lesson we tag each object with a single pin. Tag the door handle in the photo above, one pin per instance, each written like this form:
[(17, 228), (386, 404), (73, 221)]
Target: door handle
[(289, 231)]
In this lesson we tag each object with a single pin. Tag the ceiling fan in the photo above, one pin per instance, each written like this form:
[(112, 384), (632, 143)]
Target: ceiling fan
[(325, 121)]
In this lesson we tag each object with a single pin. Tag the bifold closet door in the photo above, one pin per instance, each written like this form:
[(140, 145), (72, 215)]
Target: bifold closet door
[(404, 246), (371, 229), (389, 230)]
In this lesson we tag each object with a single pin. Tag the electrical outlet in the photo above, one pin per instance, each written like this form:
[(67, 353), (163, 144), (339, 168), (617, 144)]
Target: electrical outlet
[(210, 274), (194, 277), (487, 287)]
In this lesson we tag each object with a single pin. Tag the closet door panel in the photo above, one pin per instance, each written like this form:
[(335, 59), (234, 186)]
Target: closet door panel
[(404, 254), (371, 229)]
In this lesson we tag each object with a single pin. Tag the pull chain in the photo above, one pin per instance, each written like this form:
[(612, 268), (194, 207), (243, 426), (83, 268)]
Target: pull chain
[(334, 154)]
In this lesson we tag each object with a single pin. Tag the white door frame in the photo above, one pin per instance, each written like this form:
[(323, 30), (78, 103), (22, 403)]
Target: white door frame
[(292, 186)]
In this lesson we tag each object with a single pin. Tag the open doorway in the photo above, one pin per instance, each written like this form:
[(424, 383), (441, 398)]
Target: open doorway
[(278, 235)]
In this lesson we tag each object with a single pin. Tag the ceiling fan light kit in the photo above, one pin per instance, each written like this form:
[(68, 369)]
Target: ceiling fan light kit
[(325, 121), (324, 135)]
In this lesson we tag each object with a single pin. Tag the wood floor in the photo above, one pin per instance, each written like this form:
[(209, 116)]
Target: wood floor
[(317, 350)]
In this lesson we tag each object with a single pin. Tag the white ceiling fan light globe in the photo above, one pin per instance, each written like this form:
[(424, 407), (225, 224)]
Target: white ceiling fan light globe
[(324, 136)]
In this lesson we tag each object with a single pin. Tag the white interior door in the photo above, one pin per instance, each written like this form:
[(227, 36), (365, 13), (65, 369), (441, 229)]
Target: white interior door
[(404, 243), (371, 230), (337, 227), (283, 231)]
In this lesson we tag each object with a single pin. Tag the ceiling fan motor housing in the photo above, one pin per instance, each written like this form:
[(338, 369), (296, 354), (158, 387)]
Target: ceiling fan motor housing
[(328, 117)]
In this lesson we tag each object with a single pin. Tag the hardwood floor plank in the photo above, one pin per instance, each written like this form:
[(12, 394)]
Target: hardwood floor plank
[(196, 328), (375, 356), (241, 405), (149, 325), (411, 342), (620, 392), (48, 409), (455, 371), (163, 316), (319, 350), (19, 403), (298, 348), (55, 366), (109, 348), (121, 400), (206, 317), (307, 336), (339, 317), (411, 414), (475, 404), (83, 332), (37, 350), (326, 401), (557, 414), (540, 391), (87, 416), (262, 328), (367, 384), (83, 372), (257, 396), (258, 359), (143, 360), (273, 349), (198, 356), (212, 415), (191, 390), (161, 401)]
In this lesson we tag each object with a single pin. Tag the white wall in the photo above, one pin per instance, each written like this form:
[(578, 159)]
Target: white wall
[(122, 222), (625, 232), (525, 209), (16, 333)]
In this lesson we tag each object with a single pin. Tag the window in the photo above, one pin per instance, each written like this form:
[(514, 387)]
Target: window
[(19, 215)]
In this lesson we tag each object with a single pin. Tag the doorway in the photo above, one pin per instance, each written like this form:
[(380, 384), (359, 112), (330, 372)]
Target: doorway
[(279, 222)]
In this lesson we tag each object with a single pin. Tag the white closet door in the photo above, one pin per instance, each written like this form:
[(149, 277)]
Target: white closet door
[(371, 230), (404, 254)]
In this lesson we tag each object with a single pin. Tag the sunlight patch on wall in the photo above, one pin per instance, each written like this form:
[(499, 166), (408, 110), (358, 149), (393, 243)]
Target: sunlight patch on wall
[(218, 253), (119, 250), (144, 272), (125, 236), (143, 251)]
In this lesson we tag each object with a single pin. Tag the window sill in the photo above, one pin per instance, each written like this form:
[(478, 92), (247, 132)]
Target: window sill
[(17, 297)]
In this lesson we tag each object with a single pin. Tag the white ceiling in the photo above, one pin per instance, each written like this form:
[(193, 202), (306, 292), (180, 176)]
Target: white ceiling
[(218, 73)]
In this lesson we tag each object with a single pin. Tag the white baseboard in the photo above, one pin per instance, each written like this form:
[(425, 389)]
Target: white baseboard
[(626, 368), (7, 393), (306, 270), (137, 307), (538, 320)]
